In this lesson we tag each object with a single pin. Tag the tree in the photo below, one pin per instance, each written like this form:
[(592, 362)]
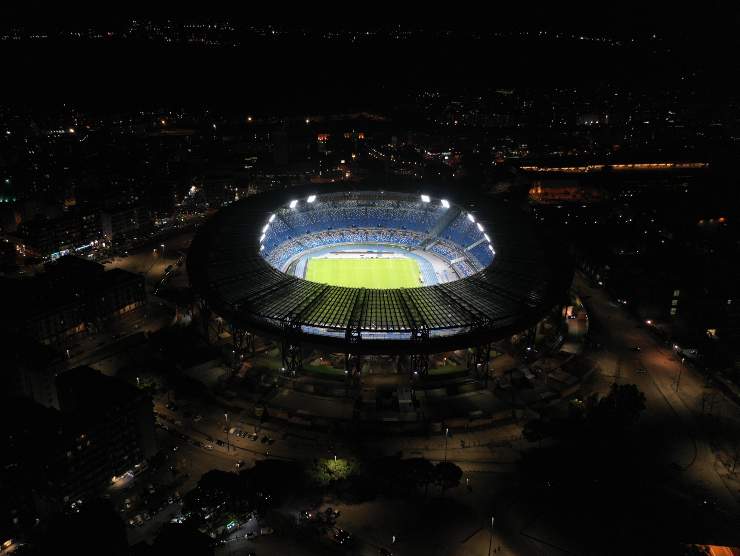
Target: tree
[(419, 472), (447, 475), (619, 409), (276, 478)]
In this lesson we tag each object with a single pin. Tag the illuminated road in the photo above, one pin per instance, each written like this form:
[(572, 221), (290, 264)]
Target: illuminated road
[(686, 444)]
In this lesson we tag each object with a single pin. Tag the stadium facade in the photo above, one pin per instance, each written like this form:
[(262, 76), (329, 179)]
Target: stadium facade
[(484, 273)]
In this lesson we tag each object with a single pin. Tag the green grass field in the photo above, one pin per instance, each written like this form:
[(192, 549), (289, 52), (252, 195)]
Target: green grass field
[(364, 273)]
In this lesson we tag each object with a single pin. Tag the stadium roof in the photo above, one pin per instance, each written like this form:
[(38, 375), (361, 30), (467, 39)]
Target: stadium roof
[(524, 281)]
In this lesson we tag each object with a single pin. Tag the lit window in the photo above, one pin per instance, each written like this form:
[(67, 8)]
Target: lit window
[(471, 217), (674, 302), (676, 293), (311, 198), (425, 198), (445, 203), (673, 311), (293, 203)]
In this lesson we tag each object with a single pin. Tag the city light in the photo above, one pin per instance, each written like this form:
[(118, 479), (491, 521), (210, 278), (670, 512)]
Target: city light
[(311, 198), (445, 203), (293, 203), (425, 198)]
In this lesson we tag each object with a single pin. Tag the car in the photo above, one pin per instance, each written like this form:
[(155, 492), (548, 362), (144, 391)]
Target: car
[(266, 530)]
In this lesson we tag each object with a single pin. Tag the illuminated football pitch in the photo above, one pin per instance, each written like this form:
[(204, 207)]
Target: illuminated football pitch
[(375, 273)]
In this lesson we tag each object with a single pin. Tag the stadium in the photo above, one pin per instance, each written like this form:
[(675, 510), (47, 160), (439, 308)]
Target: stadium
[(364, 272)]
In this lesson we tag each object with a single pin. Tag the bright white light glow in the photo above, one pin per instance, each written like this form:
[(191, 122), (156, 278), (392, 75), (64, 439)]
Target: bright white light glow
[(488, 239), (262, 247), (471, 217), (425, 198), (272, 217), (311, 198), (262, 238), (264, 229), (293, 203), (480, 227), (491, 248), (445, 203)]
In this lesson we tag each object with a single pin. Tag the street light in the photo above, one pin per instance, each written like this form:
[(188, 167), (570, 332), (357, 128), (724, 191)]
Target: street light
[(447, 434), (226, 420), (490, 538), (680, 372)]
